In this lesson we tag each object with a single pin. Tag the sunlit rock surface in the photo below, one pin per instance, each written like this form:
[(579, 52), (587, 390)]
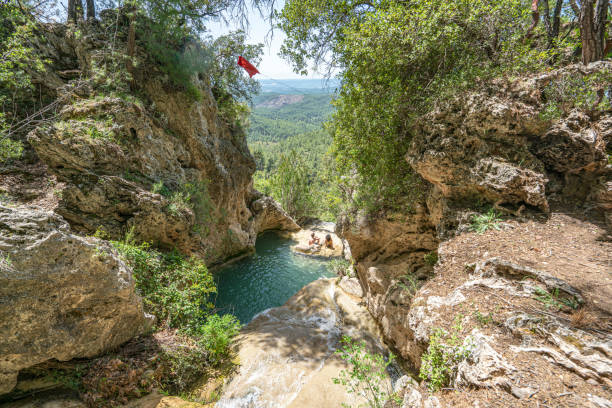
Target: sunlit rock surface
[(287, 355), (63, 296)]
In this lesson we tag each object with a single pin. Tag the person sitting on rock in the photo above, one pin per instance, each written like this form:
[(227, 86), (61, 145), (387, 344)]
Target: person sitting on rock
[(328, 242), (314, 240)]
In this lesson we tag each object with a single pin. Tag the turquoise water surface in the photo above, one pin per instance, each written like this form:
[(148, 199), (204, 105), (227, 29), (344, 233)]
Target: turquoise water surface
[(266, 279)]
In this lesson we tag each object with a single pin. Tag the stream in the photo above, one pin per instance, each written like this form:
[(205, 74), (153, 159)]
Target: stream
[(266, 279)]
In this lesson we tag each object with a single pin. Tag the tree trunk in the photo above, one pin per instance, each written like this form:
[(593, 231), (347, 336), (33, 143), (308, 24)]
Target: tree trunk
[(78, 7), (592, 29), (535, 17), (556, 25), (91, 9), (131, 48), (547, 22), (71, 11)]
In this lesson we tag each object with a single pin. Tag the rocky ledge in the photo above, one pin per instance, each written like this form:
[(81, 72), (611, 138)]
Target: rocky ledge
[(63, 296), (321, 230), (522, 311), (287, 354)]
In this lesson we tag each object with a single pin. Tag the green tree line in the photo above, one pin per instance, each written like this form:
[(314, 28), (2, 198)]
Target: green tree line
[(398, 59)]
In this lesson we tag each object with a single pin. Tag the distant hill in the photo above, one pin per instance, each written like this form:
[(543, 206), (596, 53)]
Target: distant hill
[(299, 86), (278, 101), (282, 122), (276, 117)]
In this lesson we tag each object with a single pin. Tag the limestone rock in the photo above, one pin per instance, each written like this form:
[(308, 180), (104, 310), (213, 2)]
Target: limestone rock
[(497, 146), (165, 165), (269, 215), (63, 296), (351, 286), (287, 354), (485, 367)]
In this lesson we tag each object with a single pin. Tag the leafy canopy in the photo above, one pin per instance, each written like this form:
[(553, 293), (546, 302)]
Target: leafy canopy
[(397, 59), (17, 61)]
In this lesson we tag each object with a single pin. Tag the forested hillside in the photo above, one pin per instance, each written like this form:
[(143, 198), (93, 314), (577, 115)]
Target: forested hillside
[(288, 140), (275, 117)]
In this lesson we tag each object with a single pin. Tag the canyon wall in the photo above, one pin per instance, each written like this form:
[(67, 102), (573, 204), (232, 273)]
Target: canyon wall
[(152, 162), (425, 270)]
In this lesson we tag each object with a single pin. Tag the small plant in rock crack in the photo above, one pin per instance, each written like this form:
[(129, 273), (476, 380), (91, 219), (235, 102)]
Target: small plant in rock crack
[(367, 375), (409, 283), (443, 355), (483, 320), (553, 300), (483, 222), (340, 267), (431, 258)]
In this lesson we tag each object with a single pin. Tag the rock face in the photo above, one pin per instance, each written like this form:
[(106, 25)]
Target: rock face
[(165, 166), (269, 215), (497, 146), (287, 354), (63, 296)]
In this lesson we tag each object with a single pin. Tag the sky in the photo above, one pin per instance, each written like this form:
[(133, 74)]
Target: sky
[(272, 66)]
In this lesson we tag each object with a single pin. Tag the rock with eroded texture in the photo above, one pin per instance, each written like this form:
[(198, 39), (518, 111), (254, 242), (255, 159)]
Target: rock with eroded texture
[(63, 296), (498, 146), (269, 215), (167, 166), (287, 354)]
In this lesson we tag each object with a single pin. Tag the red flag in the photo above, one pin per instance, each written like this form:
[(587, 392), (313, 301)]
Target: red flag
[(248, 67)]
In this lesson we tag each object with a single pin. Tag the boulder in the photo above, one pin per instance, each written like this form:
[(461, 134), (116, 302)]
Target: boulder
[(63, 296), (269, 215)]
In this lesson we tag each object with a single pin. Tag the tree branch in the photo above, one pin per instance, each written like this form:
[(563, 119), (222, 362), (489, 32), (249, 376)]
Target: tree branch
[(535, 17)]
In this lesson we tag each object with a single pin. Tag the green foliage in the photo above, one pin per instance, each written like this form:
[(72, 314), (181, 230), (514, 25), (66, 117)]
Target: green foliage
[(409, 283), (584, 92), (217, 333), (553, 300), (483, 320), (174, 288), (160, 188), (71, 379), (10, 149), (431, 258), (182, 366), (340, 267), (483, 222), (367, 375), (225, 75), (290, 185), (18, 62), (444, 353), (191, 196), (397, 60), (295, 125), (270, 124)]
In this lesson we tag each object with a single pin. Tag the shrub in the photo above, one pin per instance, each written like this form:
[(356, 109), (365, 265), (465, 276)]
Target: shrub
[(554, 300), (160, 188), (367, 375), (483, 222), (174, 288), (216, 335), (181, 365), (340, 267), (431, 258), (443, 354), (9, 149), (409, 283), (192, 196)]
